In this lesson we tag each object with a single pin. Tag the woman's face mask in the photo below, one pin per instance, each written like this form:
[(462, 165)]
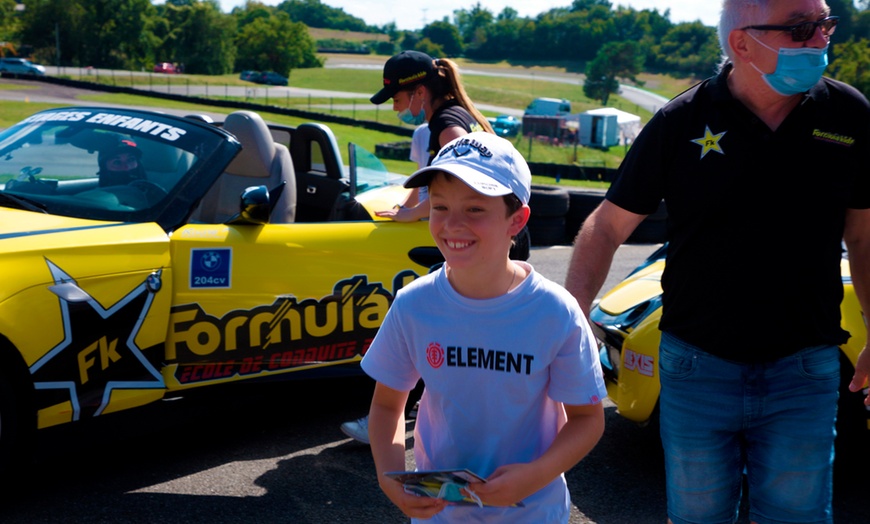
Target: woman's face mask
[(407, 117), (797, 69)]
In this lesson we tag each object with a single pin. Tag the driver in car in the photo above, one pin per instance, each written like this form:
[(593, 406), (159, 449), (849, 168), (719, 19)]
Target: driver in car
[(119, 164)]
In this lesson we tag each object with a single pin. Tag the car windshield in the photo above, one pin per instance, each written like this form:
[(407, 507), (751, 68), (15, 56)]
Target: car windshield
[(104, 164)]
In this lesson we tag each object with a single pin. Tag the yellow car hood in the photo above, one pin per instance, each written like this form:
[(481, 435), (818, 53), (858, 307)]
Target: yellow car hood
[(636, 289), (85, 248), (17, 223)]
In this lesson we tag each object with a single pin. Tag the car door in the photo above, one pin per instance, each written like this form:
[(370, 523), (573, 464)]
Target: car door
[(86, 304), (252, 301)]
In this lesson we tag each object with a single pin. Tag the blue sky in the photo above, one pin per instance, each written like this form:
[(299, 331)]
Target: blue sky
[(412, 15)]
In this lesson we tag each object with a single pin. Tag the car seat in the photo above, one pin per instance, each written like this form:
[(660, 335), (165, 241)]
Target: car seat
[(261, 161)]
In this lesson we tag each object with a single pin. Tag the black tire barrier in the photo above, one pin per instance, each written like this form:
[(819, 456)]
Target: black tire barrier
[(581, 202), (653, 229), (394, 150), (521, 250), (572, 171), (547, 231), (548, 201), (549, 205)]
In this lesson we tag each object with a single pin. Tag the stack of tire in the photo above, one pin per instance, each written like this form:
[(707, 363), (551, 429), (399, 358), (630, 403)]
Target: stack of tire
[(653, 229), (582, 202), (557, 213), (549, 208), (393, 150)]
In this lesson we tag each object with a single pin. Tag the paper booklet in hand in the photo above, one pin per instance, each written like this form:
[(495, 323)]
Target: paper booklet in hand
[(447, 484)]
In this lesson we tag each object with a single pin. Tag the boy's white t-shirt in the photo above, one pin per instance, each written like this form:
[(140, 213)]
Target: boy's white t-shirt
[(495, 372)]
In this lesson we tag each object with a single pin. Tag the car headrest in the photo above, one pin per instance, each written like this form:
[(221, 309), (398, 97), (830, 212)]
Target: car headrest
[(258, 148)]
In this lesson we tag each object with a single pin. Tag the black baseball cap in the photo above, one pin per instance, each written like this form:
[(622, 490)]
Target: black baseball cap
[(402, 71)]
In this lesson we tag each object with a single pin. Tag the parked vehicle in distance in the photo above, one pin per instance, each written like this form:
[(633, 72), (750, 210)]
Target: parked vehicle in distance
[(249, 75), (505, 125), (264, 77), (549, 107), (272, 78), (20, 66), (165, 67)]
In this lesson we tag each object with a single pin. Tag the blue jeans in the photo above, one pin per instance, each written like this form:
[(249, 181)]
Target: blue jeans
[(774, 422)]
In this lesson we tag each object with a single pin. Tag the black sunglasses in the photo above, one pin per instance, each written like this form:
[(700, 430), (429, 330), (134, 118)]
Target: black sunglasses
[(803, 31)]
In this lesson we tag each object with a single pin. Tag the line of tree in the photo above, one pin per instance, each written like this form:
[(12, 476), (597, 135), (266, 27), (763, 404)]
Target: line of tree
[(136, 34), (609, 44)]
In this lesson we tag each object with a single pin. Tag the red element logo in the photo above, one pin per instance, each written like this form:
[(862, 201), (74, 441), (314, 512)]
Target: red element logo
[(435, 355)]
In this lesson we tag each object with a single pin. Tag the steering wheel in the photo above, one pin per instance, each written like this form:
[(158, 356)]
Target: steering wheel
[(153, 192)]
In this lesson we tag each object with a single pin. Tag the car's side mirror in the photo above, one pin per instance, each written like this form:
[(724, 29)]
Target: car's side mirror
[(254, 207)]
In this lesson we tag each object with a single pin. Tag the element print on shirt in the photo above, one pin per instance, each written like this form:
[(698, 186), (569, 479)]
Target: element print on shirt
[(710, 142), (479, 358)]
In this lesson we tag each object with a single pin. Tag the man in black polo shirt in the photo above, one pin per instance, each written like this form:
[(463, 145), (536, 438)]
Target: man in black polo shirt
[(765, 162)]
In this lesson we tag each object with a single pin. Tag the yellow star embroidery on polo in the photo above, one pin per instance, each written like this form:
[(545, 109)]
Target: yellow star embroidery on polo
[(710, 142)]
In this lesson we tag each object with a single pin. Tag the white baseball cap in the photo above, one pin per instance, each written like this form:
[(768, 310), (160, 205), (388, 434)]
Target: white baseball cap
[(487, 163)]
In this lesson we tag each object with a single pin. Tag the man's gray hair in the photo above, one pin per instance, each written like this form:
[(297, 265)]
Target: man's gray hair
[(736, 14)]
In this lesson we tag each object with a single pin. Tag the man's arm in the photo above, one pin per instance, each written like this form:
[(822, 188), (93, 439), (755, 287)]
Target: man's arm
[(857, 238), (601, 235)]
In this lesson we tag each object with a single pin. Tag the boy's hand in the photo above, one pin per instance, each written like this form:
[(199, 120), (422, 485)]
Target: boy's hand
[(506, 486), (412, 506)]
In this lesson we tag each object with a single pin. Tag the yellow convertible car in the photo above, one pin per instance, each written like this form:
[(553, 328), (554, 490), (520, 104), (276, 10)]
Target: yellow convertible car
[(144, 254), (626, 323)]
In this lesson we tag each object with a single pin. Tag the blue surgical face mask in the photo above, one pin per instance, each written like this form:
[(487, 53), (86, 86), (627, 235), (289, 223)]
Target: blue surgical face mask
[(797, 68), (408, 118)]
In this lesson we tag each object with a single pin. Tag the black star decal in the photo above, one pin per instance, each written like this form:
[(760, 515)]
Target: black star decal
[(98, 353)]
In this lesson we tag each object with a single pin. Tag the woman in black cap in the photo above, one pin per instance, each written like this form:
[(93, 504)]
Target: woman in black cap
[(424, 89)]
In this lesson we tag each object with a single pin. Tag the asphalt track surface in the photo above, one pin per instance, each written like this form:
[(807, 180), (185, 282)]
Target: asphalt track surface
[(274, 453)]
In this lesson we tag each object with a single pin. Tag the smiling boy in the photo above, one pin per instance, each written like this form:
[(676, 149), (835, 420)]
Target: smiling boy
[(513, 385)]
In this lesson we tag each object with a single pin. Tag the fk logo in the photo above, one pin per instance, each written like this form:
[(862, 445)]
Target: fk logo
[(105, 350)]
